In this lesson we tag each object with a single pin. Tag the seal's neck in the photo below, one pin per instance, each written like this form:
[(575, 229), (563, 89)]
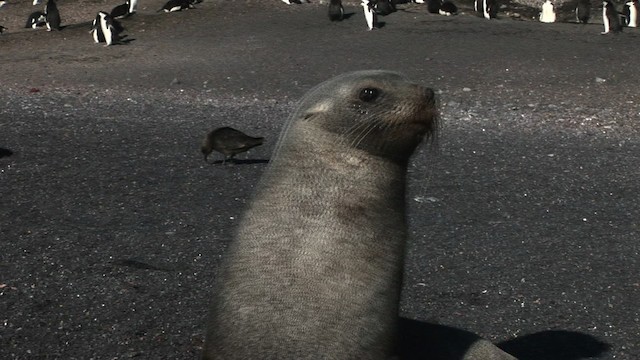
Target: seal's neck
[(328, 200), (331, 249), (330, 155), (316, 266)]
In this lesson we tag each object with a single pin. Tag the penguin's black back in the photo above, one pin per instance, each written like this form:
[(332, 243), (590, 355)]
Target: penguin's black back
[(52, 14), (433, 6), (449, 7), (492, 8), (120, 11), (583, 11), (336, 11), (383, 7), (614, 17)]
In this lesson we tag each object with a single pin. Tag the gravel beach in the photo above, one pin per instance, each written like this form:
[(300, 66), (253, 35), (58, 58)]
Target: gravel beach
[(523, 214)]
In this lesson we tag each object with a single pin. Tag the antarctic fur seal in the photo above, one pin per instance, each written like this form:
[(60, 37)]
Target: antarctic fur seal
[(315, 269)]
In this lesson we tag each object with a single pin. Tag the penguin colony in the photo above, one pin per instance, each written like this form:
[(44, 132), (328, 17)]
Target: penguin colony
[(106, 29), (613, 20)]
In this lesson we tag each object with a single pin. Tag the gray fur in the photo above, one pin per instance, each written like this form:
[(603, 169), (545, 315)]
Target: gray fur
[(315, 270), (316, 266)]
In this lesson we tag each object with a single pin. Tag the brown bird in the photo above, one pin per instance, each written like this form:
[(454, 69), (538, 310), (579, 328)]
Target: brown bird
[(229, 142)]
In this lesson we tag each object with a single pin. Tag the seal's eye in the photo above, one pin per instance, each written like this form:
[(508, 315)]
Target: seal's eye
[(369, 94)]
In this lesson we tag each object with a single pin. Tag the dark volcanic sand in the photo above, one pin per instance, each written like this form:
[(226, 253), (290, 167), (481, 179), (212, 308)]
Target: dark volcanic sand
[(523, 219)]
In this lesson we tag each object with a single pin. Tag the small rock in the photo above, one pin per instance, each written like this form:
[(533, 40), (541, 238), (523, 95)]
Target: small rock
[(422, 199)]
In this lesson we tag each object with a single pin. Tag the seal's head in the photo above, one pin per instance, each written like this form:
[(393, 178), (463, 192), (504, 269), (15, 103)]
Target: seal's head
[(379, 112)]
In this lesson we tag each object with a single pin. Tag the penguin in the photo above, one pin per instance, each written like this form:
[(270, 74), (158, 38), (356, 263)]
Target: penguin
[(630, 13), (177, 5), (548, 15), (583, 11), (36, 2), (2, 29), (52, 16), (610, 18), (120, 11), (369, 13), (419, 1), (448, 8), (486, 8), (36, 19), (336, 11), (103, 29), (490, 9), (383, 7), (3, 3), (433, 6), (133, 6)]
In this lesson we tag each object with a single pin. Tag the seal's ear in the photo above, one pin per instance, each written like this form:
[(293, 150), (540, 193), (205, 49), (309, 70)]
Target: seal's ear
[(317, 109)]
